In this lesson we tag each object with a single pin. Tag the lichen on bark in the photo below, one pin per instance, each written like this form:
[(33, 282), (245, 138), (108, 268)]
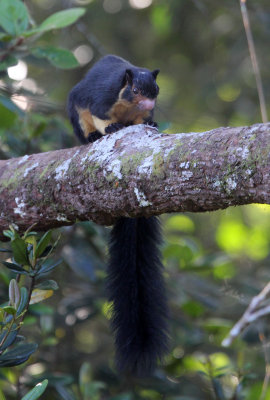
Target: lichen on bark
[(137, 171)]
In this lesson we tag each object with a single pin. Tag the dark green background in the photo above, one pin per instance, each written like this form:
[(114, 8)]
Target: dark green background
[(214, 262)]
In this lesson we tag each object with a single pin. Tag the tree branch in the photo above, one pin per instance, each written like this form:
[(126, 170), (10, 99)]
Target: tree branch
[(135, 172)]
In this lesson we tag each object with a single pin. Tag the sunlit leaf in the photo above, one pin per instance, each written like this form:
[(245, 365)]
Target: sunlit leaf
[(220, 362), (43, 243), (195, 363), (10, 310), (180, 222), (258, 245), (39, 295), (31, 239), (231, 235), (61, 19)]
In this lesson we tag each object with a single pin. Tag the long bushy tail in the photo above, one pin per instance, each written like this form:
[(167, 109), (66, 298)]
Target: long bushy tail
[(136, 288)]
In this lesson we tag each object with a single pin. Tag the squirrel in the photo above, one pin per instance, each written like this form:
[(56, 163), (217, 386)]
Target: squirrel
[(114, 94)]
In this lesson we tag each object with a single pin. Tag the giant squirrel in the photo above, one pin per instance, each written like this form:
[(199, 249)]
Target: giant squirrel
[(112, 95)]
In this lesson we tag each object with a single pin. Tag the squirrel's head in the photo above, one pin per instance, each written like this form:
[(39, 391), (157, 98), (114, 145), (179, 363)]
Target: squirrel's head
[(140, 87)]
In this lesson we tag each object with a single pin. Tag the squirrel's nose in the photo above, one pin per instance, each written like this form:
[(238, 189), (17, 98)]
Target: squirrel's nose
[(147, 104)]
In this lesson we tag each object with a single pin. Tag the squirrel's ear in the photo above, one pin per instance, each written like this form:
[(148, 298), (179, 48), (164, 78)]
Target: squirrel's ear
[(129, 76), (155, 73)]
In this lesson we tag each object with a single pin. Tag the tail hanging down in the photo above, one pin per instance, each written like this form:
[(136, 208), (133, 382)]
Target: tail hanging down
[(136, 288)]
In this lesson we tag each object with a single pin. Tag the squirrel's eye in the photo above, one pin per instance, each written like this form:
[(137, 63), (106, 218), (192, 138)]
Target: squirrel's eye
[(135, 91)]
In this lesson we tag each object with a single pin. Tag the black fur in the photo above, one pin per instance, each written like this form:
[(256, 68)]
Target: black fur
[(136, 288), (135, 282), (100, 88), (112, 128), (94, 136)]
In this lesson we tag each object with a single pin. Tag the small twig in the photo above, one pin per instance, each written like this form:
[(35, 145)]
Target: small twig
[(253, 313), (254, 60), (9, 50)]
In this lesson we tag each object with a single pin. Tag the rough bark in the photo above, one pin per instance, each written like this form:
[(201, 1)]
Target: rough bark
[(135, 172)]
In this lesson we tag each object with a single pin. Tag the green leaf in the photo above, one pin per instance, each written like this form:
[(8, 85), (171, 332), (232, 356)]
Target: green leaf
[(23, 302), (61, 19), (17, 355), (10, 310), (27, 234), (14, 293), (48, 266), (8, 118), (85, 375), (19, 248), (15, 268), (49, 284), (60, 58), (13, 17), (8, 61), (31, 239), (37, 391), (8, 233), (43, 243), (9, 339)]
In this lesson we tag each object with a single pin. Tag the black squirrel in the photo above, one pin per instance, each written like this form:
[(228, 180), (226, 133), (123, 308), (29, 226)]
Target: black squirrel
[(112, 95)]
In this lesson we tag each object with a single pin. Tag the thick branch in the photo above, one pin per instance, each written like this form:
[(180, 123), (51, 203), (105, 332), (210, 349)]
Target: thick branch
[(135, 172)]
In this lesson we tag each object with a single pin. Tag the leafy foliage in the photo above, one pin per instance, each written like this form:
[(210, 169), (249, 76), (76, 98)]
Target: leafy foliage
[(14, 20), (28, 260), (37, 391)]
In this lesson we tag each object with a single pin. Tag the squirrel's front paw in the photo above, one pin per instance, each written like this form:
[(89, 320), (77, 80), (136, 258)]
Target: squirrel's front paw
[(152, 123), (93, 136), (114, 127)]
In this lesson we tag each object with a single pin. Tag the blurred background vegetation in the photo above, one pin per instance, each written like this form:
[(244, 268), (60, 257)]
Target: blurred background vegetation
[(214, 262)]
